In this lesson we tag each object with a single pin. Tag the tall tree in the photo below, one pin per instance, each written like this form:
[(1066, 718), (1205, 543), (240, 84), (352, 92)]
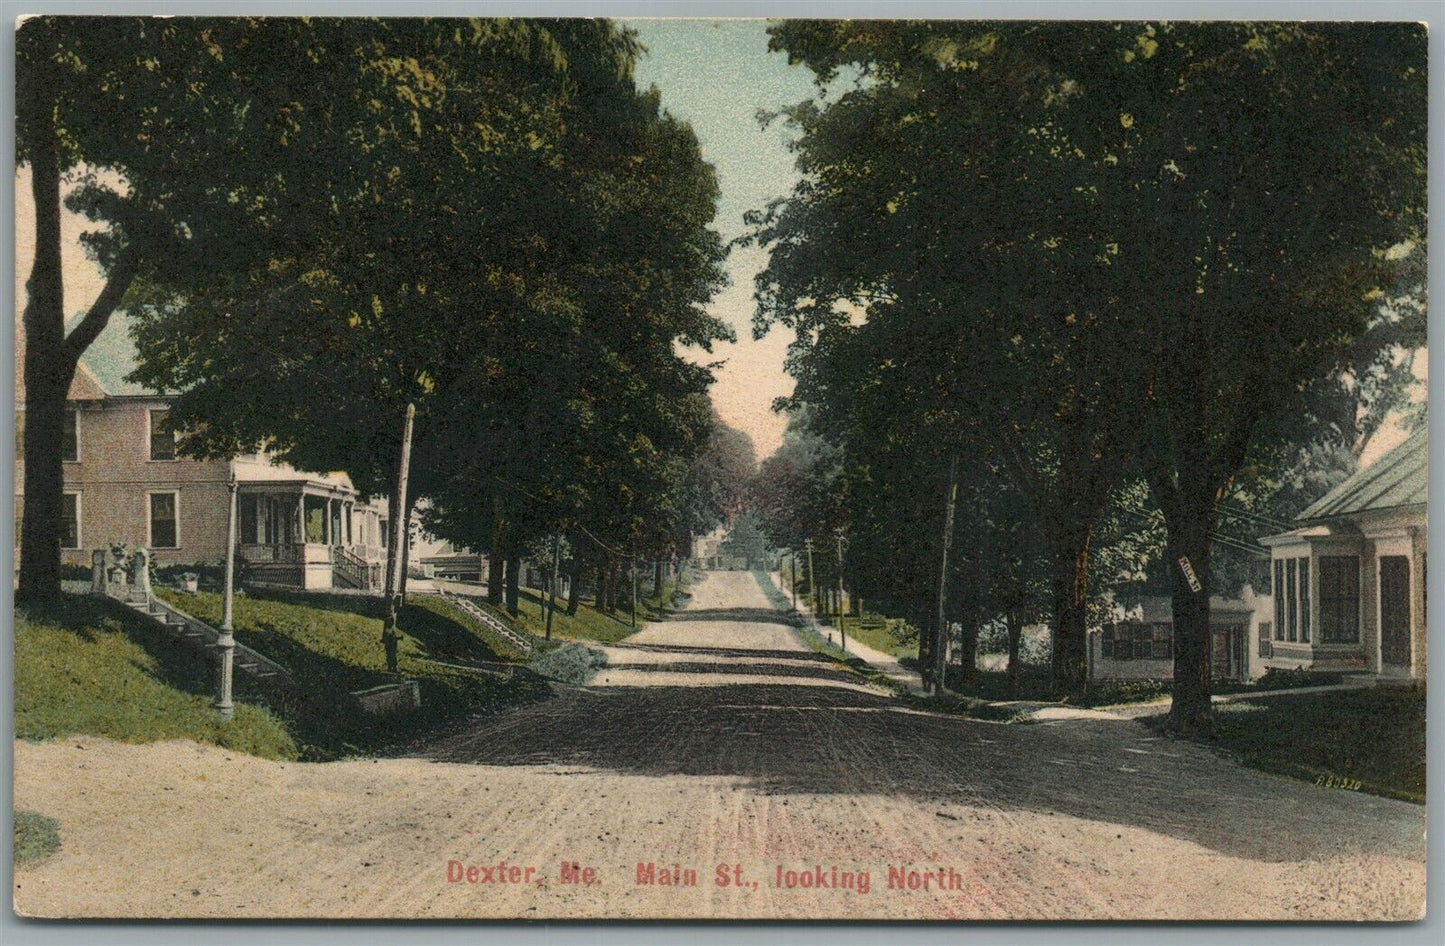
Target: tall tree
[(141, 115), (1274, 167)]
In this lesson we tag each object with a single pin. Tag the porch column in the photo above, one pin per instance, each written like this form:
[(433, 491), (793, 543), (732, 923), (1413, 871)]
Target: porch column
[(301, 518), (326, 522)]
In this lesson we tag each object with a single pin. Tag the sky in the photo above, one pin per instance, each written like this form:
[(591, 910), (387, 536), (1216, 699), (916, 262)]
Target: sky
[(717, 75)]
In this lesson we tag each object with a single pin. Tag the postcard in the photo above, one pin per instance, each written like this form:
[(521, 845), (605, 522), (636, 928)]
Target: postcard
[(790, 469)]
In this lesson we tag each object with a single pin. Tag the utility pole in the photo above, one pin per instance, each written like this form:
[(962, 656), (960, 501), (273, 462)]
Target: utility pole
[(227, 641), (398, 534), (794, 583), (842, 634), (812, 585), (556, 578), (940, 648), (632, 567)]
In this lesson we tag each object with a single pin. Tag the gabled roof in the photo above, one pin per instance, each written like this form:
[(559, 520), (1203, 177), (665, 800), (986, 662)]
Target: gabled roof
[(103, 367), (111, 357), (1399, 478)]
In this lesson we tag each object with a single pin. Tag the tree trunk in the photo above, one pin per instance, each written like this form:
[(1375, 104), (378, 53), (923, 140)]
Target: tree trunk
[(47, 381), (514, 575), (496, 557), (1070, 650), (657, 581), (574, 582), (1015, 639), (1191, 713), (405, 546), (968, 651)]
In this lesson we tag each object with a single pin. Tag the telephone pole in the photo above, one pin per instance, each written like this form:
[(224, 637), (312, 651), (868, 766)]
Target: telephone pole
[(794, 583), (940, 647), (812, 585), (399, 533), (842, 634)]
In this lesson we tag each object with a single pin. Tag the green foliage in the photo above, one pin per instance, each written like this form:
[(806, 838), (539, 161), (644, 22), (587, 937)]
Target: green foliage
[(36, 837), (82, 667), (570, 663), (332, 646), (1126, 691)]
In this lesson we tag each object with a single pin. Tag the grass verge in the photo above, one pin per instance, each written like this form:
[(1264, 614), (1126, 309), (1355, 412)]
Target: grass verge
[(86, 667), (332, 646), (814, 640), (36, 837), (1370, 740)]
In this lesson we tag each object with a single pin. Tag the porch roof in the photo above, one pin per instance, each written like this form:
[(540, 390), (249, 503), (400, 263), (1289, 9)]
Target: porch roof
[(258, 473)]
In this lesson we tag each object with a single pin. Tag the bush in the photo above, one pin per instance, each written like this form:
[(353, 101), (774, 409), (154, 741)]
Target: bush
[(568, 663), (1279, 678), (1133, 691)]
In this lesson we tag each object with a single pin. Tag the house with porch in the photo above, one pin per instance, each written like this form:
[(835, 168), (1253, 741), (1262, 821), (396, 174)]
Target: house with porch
[(1349, 579), (124, 482)]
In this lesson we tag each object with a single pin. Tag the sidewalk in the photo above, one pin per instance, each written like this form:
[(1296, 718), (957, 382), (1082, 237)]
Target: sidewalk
[(886, 664)]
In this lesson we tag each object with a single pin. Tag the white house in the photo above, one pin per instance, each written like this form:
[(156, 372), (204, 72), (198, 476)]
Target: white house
[(1349, 580)]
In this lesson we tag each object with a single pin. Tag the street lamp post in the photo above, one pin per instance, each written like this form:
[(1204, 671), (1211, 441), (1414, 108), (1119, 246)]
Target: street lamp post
[(227, 641)]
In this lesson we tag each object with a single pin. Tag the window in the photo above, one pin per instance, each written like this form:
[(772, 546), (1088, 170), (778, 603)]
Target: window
[(1339, 599), (250, 515), (70, 442), (1163, 641), (1138, 641), (1291, 603), (1304, 600), (70, 521), (1278, 592), (165, 520), (162, 438), (1266, 647)]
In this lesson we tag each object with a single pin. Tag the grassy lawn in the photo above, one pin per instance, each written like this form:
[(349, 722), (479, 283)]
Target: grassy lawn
[(332, 644), (587, 624), (85, 667), (1375, 737)]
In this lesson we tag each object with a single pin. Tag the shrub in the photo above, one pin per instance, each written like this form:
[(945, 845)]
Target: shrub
[(568, 663)]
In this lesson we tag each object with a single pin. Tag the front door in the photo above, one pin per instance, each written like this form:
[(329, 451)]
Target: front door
[(1226, 654), (1395, 610)]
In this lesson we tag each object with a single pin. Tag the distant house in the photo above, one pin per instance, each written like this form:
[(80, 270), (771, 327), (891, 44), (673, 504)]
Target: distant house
[(125, 483), (1139, 643), (1349, 580)]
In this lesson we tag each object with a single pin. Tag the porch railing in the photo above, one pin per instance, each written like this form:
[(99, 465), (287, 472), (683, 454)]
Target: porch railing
[(355, 571), (273, 554)]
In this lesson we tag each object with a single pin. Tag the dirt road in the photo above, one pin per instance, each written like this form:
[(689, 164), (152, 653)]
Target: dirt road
[(716, 744)]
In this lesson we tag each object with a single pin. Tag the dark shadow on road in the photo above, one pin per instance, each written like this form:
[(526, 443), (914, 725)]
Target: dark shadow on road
[(838, 675), (799, 656), (748, 615), (827, 740)]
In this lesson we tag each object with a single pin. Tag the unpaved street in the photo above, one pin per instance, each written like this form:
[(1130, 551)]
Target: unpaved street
[(716, 743)]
